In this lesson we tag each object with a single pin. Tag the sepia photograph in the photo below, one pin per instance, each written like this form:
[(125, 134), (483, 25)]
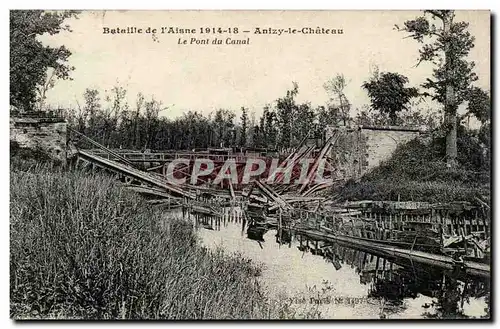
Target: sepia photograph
[(250, 165)]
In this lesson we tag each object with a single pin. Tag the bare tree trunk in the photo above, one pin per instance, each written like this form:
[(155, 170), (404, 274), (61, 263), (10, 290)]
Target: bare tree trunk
[(451, 138), (450, 107)]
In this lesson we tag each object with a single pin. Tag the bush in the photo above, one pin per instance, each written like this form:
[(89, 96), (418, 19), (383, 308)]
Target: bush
[(82, 247), (417, 171), (25, 158)]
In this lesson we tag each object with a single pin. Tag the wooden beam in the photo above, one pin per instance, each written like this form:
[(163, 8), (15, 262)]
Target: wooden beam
[(267, 191), (394, 253), (102, 147), (134, 173), (328, 145), (231, 190)]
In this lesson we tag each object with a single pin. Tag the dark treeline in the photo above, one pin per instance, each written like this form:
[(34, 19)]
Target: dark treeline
[(445, 45), (112, 121)]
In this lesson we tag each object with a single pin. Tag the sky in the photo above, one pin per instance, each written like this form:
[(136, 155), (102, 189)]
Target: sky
[(207, 77)]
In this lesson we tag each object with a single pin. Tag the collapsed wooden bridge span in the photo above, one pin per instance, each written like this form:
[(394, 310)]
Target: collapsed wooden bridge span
[(437, 236)]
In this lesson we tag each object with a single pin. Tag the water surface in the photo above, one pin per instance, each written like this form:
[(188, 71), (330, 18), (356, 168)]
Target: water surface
[(354, 289)]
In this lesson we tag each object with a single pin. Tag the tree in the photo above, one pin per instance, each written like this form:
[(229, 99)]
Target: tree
[(257, 136), (30, 59), (286, 108), (118, 100), (152, 109), (335, 89), (91, 108), (41, 90), (367, 117), (252, 123), (224, 127), (304, 123), (329, 116), (388, 93), (479, 104), (244, 126), (268, 128), (448, 46)]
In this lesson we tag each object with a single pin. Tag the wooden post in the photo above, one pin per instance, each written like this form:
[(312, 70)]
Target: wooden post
[(486, 225), (391, 228), (280, 228), (184, 208), (383, 230), (462, 299), (448, 222), (463, 234), (476, 219)]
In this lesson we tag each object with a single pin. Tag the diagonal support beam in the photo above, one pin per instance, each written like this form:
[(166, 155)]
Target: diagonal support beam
[(133, 172)]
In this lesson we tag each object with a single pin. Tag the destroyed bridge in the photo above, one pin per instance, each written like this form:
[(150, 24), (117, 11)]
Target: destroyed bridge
[(291, 192)]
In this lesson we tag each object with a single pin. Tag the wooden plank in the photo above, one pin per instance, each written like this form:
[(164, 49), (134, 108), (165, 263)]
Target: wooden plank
[(394, 253), (294, 154), (231, 190), (266, 190), (133, 172), (482, 202), (328, 145), (102, 147), (317, 188)]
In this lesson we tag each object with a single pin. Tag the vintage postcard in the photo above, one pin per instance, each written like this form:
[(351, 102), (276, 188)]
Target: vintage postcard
[(181, 165)]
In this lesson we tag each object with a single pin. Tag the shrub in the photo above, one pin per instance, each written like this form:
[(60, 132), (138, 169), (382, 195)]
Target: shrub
[(417, 172)]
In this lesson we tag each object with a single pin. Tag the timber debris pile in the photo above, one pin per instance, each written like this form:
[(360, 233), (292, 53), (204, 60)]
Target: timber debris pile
[(450, 236)]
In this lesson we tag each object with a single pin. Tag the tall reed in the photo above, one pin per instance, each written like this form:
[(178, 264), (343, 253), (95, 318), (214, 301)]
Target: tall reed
[(83, 247)]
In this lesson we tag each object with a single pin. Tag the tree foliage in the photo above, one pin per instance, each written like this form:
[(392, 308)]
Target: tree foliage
[(479, 104), (447, 47), (335, 89), (244, 127), (224, 127), (450, 45), (285, 109), (30, 59), (110, 120), (388, 93)]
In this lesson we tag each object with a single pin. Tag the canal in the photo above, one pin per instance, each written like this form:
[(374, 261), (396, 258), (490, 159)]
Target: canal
[(315, 277)]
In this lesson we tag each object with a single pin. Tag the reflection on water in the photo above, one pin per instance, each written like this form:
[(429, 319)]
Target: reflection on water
[(339, 282)]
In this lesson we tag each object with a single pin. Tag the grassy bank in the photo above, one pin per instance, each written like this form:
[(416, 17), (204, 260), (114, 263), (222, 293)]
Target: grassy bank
[(82, 247), (417, 171)]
